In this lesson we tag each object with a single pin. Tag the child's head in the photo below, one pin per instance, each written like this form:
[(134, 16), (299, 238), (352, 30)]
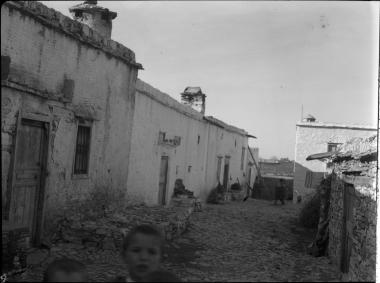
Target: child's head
[(65, 270), (142, 250)]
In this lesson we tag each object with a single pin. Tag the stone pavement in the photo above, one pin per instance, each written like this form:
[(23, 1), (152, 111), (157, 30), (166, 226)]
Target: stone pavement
[(238, 241), (247, 241)]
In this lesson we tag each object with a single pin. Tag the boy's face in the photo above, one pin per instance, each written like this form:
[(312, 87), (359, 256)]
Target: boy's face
[(143, 255), (62, 276)]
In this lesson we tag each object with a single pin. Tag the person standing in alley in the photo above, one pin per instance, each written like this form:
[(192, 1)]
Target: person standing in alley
[(280, 192)]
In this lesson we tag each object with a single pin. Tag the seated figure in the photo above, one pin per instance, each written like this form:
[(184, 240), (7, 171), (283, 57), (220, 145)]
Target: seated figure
[(179, 189)]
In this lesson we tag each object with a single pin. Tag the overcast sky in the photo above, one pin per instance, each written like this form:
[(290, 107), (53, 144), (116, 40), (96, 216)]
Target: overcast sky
[(258, 62)]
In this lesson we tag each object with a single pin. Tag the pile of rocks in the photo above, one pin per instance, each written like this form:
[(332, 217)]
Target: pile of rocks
[(99, 238)]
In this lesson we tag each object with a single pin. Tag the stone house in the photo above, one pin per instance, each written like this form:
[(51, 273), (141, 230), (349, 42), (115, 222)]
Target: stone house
[(352, 208), (76, 121), (312, 137), (67, 110)]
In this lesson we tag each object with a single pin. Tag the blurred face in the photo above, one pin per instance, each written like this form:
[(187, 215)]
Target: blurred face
[(62, 276), (143, 255)]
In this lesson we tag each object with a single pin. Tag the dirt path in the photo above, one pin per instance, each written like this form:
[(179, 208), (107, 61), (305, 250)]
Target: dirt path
[(247, 241)]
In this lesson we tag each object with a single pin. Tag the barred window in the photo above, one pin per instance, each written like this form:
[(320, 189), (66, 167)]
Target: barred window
[(82, 150)]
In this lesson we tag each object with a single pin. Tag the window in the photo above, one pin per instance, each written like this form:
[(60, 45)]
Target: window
[(242, 158), (199, 138), (78, 14), (82, 149), (332, 146), (309, 179)]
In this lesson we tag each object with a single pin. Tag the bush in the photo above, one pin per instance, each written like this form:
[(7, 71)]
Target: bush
[(309, 215)]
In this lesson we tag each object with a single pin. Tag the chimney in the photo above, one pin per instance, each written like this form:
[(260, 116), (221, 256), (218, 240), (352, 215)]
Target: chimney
[(309, 118), (96, 17), (194, 97)]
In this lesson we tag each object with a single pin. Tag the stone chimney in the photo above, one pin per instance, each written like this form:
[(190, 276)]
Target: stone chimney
[(194, 97), (96, 17), (309, 118)]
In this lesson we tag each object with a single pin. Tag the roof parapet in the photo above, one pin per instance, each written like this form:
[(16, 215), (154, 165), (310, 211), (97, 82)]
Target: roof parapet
[(56, 20)]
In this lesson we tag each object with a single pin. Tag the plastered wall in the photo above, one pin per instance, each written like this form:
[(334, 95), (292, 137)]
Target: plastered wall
[(155, 112), (43, 59)]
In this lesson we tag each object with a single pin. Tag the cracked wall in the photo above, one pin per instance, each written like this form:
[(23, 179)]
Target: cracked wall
[(57, 78)]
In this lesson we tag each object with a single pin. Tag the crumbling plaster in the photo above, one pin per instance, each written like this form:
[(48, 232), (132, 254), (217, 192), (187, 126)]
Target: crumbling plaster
[(42, 57)]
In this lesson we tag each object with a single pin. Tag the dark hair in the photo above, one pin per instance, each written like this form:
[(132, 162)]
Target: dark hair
[(142, 229), (162, 276), (66, 265)]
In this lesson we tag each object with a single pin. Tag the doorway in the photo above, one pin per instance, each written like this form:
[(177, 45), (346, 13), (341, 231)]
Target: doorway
[(226, 172), (348, 204), (27, 193), (163, 180)]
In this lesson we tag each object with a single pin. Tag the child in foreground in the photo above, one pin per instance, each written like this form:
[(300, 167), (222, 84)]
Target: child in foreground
[(142, 251), (65, 270)]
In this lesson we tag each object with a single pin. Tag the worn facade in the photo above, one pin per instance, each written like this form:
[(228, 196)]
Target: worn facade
[(180, 143), (76, 122), (352, 227), (314, 137), (61, 78)]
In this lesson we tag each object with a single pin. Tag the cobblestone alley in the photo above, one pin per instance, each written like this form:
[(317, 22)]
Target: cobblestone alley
[(247, 241), (238, 241)]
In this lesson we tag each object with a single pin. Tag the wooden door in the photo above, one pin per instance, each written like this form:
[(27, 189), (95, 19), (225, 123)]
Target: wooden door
[(348, 204), (249, 175), (27, 182), (163, 180), (226, 173)]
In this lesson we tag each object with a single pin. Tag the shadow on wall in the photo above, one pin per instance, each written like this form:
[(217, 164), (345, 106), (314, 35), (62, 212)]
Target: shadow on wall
[(305, 182)]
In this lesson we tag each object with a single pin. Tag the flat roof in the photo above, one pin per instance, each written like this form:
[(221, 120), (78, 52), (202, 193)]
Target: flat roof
[(335, 125)]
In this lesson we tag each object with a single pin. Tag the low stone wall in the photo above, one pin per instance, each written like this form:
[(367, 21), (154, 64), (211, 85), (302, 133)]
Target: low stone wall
[(95, 237), (362, 263)]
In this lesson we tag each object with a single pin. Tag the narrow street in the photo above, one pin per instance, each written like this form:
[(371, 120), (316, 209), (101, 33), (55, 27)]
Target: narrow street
[(237, 241), (247, 241)]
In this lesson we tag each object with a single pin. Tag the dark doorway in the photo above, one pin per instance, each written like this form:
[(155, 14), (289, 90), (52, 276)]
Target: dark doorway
[(226, 172), (27, 194), (348, 204), (163, 180)]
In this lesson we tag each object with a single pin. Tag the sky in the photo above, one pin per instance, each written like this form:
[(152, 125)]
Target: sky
[(259, 62)]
